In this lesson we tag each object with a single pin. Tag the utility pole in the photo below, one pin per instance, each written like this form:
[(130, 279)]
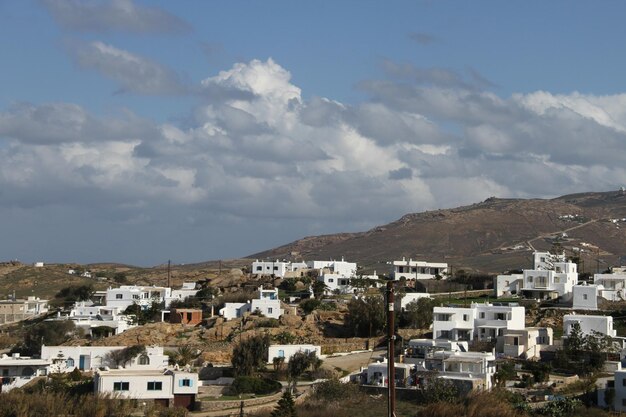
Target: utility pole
[(391, 371), (169, 273)]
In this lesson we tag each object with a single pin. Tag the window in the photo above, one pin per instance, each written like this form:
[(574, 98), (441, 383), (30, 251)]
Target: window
[(135, 296), (624, 402), (331, 280), (275, 268), (120, 386), (185, 383), (269, 310), (259, 268), (144, 360), (584, 296), (624, 382), (118, 296), (530, 279), (281, 353), (69, 362), (442, 317), (465, 317), (155, 386), (481, 315)]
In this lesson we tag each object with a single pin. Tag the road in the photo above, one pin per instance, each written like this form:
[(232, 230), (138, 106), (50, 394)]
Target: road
[(353, 362)]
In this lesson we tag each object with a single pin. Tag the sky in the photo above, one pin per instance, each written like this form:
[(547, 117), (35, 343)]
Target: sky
[(144, 131)]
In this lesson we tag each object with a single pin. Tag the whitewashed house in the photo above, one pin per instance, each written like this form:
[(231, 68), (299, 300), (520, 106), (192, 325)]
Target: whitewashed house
[(611, 287), (552, 277), (266, 304), (127, 295), (418, 349), (336, 275), (281, 269), (474, 368), (188, 289), (287, 351), (585, 297), (527, 343), (480, 321), (508, 285), (588, 324), (169, 388), (17, 371), (377, 374), (67, 358), (97, 321), (413, 270)]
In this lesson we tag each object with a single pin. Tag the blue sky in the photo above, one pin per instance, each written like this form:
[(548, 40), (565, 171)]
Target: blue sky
[(138, 131)]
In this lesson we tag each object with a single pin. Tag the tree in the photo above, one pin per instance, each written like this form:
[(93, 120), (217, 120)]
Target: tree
[(49, 333), (286, 407), (119, 358), (418, 314), (319, 288), (366, 316), (250, 355), (299, 362), (183, 355), (75, 293), (309, 305), (440, 390)]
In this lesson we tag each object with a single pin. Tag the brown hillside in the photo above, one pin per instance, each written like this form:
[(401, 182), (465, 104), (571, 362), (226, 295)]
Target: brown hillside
[(494, 235)]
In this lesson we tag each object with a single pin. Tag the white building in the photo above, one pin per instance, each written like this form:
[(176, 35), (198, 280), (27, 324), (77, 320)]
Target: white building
[(336, 275), (165, 387), (585, 297), (67, 358), (17, 371), (474, 368), (266, 304), (611, 287), (287, 351), (508, 285), (552, 277), (281, 269), (527, 343), (97, 320), (127, 295), (188, 289), (418, 349), (410, 269), (409, 297), (480, 321), (377, 374), (20, 309), (589, 324)]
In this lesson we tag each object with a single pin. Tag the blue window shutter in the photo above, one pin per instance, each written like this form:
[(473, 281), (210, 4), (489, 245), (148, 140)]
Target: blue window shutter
[(180, 382), (191, 382)]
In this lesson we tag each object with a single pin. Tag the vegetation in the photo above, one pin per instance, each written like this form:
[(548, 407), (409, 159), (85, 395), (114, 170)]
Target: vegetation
[(250, 355), (119, 358), (254, 385), (183, 355), (418, 314), (73, 293), (584, 354), (366, 316), (144, 315), (285, 407), (45, 333), (299, 362)]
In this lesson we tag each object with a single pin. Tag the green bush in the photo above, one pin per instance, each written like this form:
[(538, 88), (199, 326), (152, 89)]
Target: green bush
[(268, 323), (254, 385)]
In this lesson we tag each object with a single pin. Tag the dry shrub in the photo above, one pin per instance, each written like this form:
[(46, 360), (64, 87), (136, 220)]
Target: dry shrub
[(483, 404)]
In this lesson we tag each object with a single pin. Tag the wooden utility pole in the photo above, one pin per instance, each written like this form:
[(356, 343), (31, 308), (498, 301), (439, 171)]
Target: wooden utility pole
[(169, 274), (391, 371)]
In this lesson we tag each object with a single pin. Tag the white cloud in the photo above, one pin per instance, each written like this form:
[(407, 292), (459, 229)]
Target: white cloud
[(257, 155), (134, 73)]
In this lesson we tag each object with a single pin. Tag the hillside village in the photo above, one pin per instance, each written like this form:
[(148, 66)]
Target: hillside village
[(542, 332)]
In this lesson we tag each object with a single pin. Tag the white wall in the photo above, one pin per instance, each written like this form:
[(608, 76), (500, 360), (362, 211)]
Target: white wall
[(602, 324), (287, 351), (585, 297)]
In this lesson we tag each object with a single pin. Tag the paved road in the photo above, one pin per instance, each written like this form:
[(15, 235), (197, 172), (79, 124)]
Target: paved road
[(354, 361)]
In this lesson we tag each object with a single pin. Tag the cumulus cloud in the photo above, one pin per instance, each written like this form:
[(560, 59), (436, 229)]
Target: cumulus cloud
[(258, 155), (113, 15), (134, 73)]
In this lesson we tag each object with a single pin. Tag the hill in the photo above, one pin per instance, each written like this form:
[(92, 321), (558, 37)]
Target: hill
[(491, 236)]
